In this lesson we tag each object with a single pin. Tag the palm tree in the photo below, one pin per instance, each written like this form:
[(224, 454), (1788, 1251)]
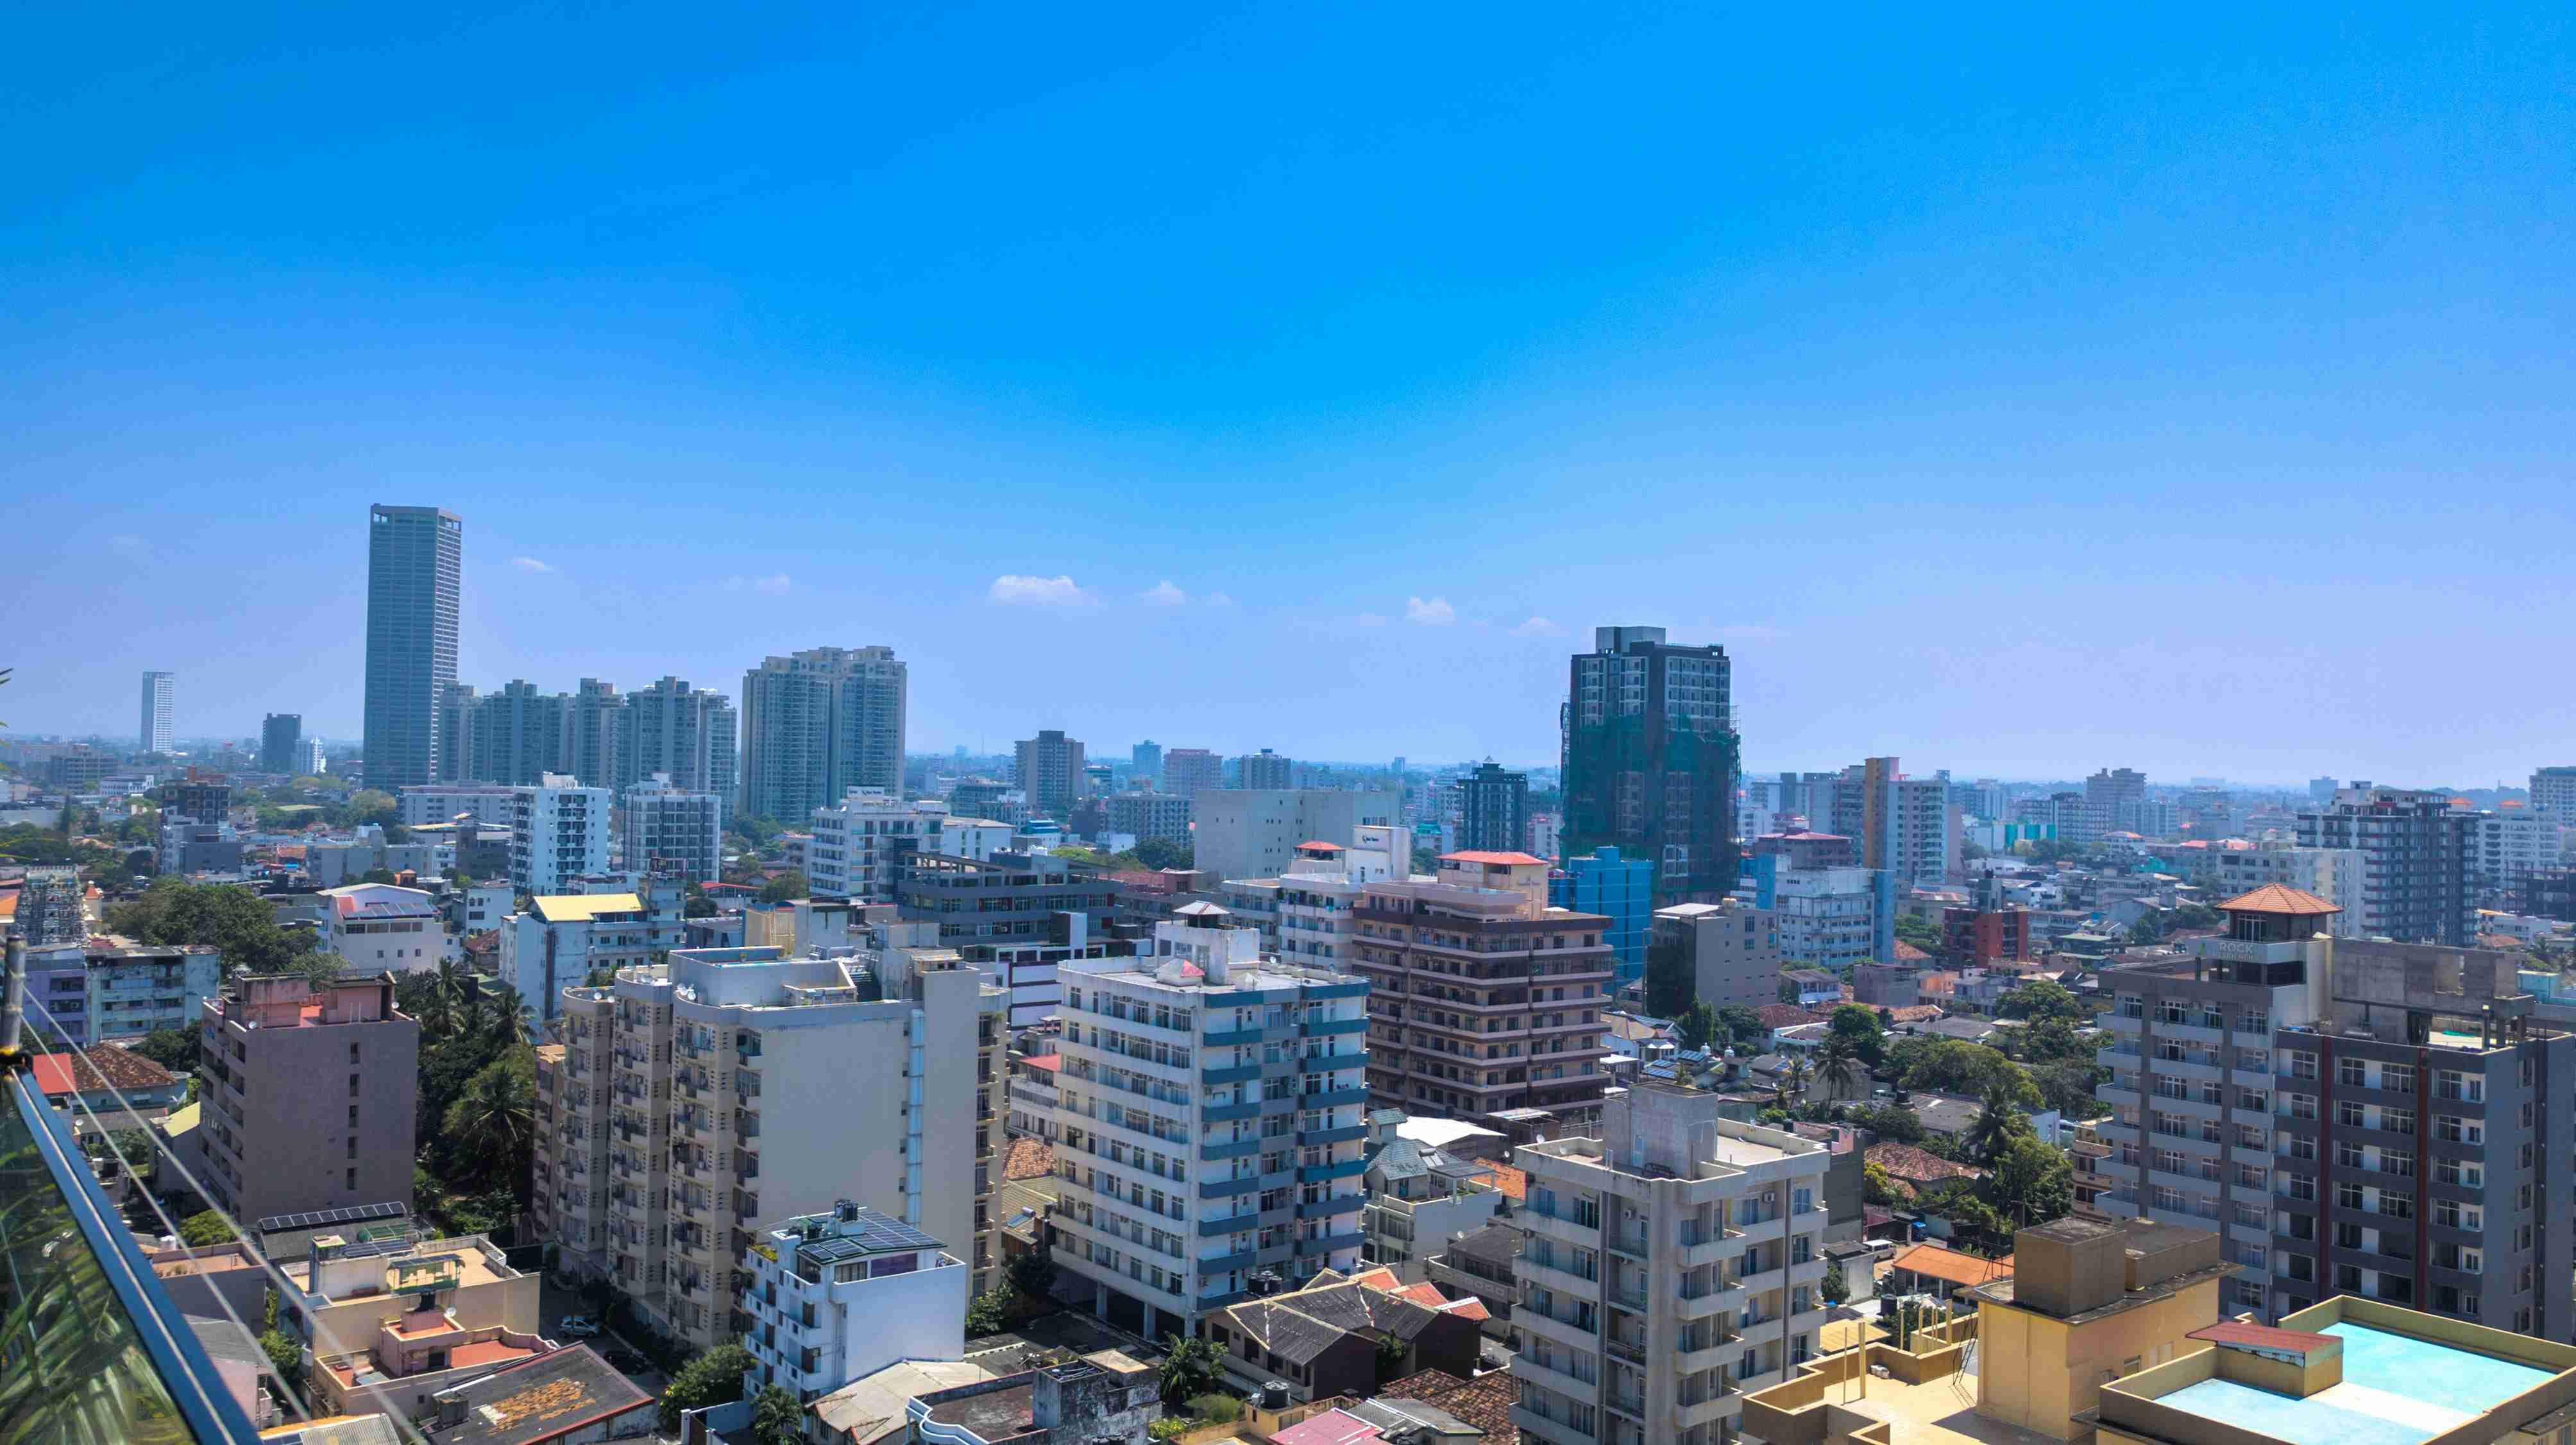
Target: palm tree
[(1996, 1125), (1838, 1064), (507, 1017), (494, 1120), (1189, 1369), (1792, 1084), (438, 1006)]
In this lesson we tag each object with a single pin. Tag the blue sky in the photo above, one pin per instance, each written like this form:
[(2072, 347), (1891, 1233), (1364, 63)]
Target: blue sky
[(2015, 392)]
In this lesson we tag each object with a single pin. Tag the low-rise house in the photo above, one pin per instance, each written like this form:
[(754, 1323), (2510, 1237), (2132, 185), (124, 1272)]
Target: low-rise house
[(570, 1397), (1106, 1397), (344, 1296), (1952, 1115), (1810, 988), (871, 1410), (1419, 1197), (1483, 1264), (381, 927), (1912, 1169), (1325, 1339), (106, 1088)]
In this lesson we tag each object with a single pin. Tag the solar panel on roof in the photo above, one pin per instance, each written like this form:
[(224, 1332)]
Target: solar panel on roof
[(318, 1218), (876, 1235)]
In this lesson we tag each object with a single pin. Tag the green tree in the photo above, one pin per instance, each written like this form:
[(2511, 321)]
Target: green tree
[(1836, 1289), (1670, 981), (283, 1353), (1161, 853), (1955, 1066), (1743, 1027), (493, 1122), (787, 887), (373, 805), (1696, 1027), (700, 907), (1392, 1352), (2030, 1183), (1838, 1066), (1190, 1367), (1996, 1127), (1033, 1274), (1920, 932), (1877, 1186), (1892, 1123), (224, 916), (172, 1049), (776, 1418), (713, 1378), (2043, 1000), (1859, 1023), (205, 1227), (989, 1313)]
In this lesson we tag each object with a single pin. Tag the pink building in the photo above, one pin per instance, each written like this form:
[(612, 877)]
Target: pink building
[(309, 1095)]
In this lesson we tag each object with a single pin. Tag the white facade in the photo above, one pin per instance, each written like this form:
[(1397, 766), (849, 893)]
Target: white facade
[(310, 760), (837, 1296), (2333, 874), (423, 804), (559, 830), (976, 838), (158, 689), (1826, 916), (379, 927), (671, 830), (1546, 832), (1239, 833), (486, 905), (561, 938), (1210, 1122), (859, 843), (2512, 846)]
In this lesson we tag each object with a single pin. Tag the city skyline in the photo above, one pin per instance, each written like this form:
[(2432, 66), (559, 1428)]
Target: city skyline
[(2116, 396)]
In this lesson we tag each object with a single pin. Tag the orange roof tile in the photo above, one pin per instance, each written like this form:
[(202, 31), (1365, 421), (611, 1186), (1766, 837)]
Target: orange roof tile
[(1514, 1183), (1952, 1267), (1028, 1159), (2278, 898), (1500, 860)]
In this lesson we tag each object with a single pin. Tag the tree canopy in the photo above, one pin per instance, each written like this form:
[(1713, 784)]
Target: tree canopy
[(225, 916), (2043, 1000), (1955, 1066), (1858, 1022), (714, 1378), (786, 888)]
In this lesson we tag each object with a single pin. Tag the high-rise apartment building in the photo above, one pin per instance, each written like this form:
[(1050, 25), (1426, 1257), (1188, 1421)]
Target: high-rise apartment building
[(665, 828), (159, 693), (2105, 794), (1486, 997), (2333, 874), (1235, 833), (310, 761), (1145, 762), (1908, 826), (281, 740), (1730, 949), (1264, 769), (518, 735), (2509, 847), (454, 724), (1650, 759), (697, 1097), (415, 580), (591, 717), (863, 845), (2553, 792), (1050, 773), (1493, 809), (1827, 916), (1209, 1125), (2355, 1117), (1620, 889), (2416, 860), (818, 723), (1148, 815), (50, 906), (310, 1095), (1188, 770), (685, 732), (1673, 1263), (559, 830)]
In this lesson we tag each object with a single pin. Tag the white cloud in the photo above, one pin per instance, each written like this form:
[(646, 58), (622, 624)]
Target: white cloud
[(1163, 594), (1218, 599), (1429, 612), (774, 585), (1538, 627), (1013, 590), (529, 564)]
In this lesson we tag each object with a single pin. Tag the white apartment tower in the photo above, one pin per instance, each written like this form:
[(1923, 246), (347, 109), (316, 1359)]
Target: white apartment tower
[(1672, 1264), (726, 1086), (558, 831), (664, 828), (863, 843), (159, 690), (1210, 1123)]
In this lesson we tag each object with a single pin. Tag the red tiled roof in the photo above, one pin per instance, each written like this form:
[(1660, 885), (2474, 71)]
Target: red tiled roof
[(1916, 1165), (2278, 898), (1786, 1016), (1028, 1159), (1952, 1267), (1333, 1427), (1514, 1183), (1484, 1402), (1503, 860), (1908, 953), (1049, 1062), (99, 1068)]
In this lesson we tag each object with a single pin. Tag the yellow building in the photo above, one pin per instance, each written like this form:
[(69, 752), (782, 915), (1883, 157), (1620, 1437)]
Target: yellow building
[(2089, 1302)]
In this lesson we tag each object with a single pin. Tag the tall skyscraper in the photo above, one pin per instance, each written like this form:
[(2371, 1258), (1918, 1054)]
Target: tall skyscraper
[(154, 734), (1145, 760), (817, 724), (2106, 794), (517, 735), (590, 741), (1265, 769), (1651, 757), (686, 732), (1051, 772), (281, 735), (2418, 857), (1493, 809), (456, 702), (1186, 770), (415, 580)]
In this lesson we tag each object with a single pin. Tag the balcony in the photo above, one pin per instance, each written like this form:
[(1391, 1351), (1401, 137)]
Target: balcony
[(1235, 1149), (1328, 1244), (1230, 1074), (1326, 1208)]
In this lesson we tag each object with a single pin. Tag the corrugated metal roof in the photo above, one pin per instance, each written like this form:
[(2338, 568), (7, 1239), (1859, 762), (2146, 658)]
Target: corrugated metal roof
[(584, 907)]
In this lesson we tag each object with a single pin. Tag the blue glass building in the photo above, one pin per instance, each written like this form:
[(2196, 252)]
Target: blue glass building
[(1621, 890)]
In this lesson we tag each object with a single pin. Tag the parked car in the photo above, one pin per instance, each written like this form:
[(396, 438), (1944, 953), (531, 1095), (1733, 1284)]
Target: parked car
[(577, 1327)]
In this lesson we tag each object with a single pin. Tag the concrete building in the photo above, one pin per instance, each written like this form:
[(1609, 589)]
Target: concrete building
[(452, 725), (817, 724), (1019, 916), (1619, 888), (1050, 773), (1486, 998), (50, 909), (2106, 792), (663, 828), (384, 928), (727, 1083), (1651, 759), (129, 989), (1323, 1343), (864, 844), (682, 731), (160, 691), (1732, 950), (1186, 771), (1419, 1197), (487, 804), (415, 580), (559, 831), (190, 847), (2333, 874), (280, 1132), (387, 1321), (2416, 852), (2326, 1103), (2508, 848), (1492, 803), (281, 743), (1673, 1263), (838, 1295), (1209, 1125), (1264, 770), (562, 938), (1254, 834), (1830, 917), (517, 736), (1145, 762), (2084, 1301), (330, 864), (1317, 898), (1148, 815), (592, 713), (2553, 793)]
